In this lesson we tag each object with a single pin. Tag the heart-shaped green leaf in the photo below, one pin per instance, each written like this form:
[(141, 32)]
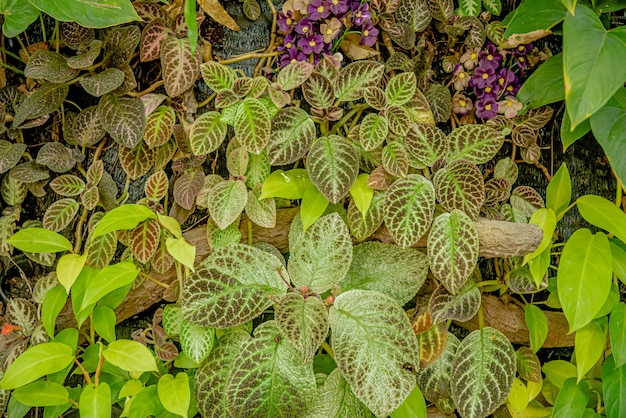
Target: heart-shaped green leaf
[(18, 15), (475, 143), (49, 66), (196, 341), (217, 76), (318, 91), (373, 131), (90, 15)]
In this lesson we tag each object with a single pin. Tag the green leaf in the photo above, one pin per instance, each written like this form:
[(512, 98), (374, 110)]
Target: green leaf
[(469, 7), (590, 63), (52, 304), (130, 356), (493, 6), (268, 377), (571, 400), (482, 373), (414, 406), (379, 373), (232, 286), (303, 322), (401, 88), (362, 226), (182, 251), (546, 220), (228, 201), (584, 277), (427, 143), (434, 380), (39, 240), (460, 185), (602, 213), (217, 76), (60, 213), (37, 361), (608, 126), (293, 132), (396, 272), (104, 321), (42, 393), (537, 326), (453, 249), (335, 399), (207, 133), (50, 66), (253, 125), (558, 371), (461, 307), (89, 14), (294, 74), (408, 209), (102, 83), (332, 164), (174, 393), (439, 101), (322, 256), (545, 85), (123, 217), (286, 184), (373, 131), (559, 191), (159, 125), (532, 15), (196, 341), (569, 136), (108, 279), (313, 206), (617, 333), (95, 401), (318, 91), (354, 78), (614, 387), (475, 143), (361, 193), (123, 118), (18, 15), (212, 375), (589, 345), (395, 159), (46, 99)]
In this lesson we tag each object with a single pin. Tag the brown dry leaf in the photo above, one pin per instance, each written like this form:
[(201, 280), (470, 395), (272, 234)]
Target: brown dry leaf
[(214, 9), (517, 39), (350, 46)]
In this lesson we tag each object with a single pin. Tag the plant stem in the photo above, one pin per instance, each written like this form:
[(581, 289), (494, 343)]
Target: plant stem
[(153, 280), (329, 350), (207, 100), (481, 317), (17, 57), (618, 194), (249, 232), (85, 374), (347, 117), (150, 89), (249, 55), (78, 234), (11, 68)]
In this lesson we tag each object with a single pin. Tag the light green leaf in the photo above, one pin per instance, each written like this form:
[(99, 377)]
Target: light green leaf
[(545, 85), (174, 393), (401, 88), (614, 387), (268, 378), (571, 400), (546, 220), (558, 371), (361, 193), (294, 74), (591, 71), (379, 372), (108, 279), (589, 345), (482, 373), (333, 165), (95, 402), (18, 15), (52, 304), (602, 213), (313, 206), (104, 321), (39, 240), (335, 399), (182, 251), (322, 256), (232, 286), (493, 6), (617, 333), (537, 326), (89, 14), (121, 218), (354, 78), (37, 361), (228, 201), (373, 131), (68, 269), (41, 393), (196, 341), (559, 191), (469, 7), (131, 356), (569, 136), (217, 76), (253, 125), (286, 184), (414, 406), (584, 277)]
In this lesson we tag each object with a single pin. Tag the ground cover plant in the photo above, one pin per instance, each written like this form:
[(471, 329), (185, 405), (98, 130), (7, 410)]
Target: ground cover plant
[(322, 235)]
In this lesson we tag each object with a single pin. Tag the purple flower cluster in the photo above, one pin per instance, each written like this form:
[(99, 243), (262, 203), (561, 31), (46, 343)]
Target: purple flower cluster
[(313, 28), (492, 76)]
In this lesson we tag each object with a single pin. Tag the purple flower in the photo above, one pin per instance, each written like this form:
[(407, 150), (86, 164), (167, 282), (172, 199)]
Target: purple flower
[(361, 13), (368, 34), (482, 77), (312, 44), (487, 108), (318, 9), (289, 42), (338, 7), (522, 50), (304, 27), (522, 62), (490, 91), (292, 55), (285, 21)]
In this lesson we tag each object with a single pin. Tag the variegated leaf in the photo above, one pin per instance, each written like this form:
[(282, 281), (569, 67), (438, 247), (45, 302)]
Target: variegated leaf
[(401, 88), (293, 132), (536, 119), (251, 9), (253, 125), (442, 10), (460, 307), (225, 98), (294, 74), (453, 249), (332, 164), (86, 59), (136, 162), (326, 67), (204, 195), (13, 191), (432, 343), (102, 83), (475, 143), (159, 125), (482, 373), (29, 172), (87, 128), (196, 341), (90, 197), (187, 187), (303, 322), (152, 38), (217, 76), (10, 154), (399, 119), (531, 154), (120, 45), (23, 313), (76, 36), (258, 86), (223, 237), (278, 96), (526, 200), (232, 286), (399, 61), (427, 143), (375, 97), (460, 185), (130, 82), (123, 118), (402, 34), (523, 136), (181, 66), (419, 108), (59, 214), (506, 169), (528, 365), (228, 201), (100, 250), (50, 66), (395, 160), (151, 101), (242, 86), (144, 239), (356, 77), (318, 91), (95, 172), (67, 185), (56, 157), (380, 374), (46, 99), (323, 255), (434, 380), (440, 101), (408, 209), (496, 191), (415, 13), (156, 186), (396, 272), (521, 281), (373, 131), (237, 162), (335, 399), (361, 226), (162, 260), (207, 133), (261, 212)]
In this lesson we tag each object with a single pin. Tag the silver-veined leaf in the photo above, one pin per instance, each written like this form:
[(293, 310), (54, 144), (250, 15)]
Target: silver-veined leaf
[(86, 128), (460, 186), (335, 399), (375, 97), (395, 159), (294, 74), (102, 83), (207, 133), (460, 307), (293, 133), (401, 88), (217, 76), (50, 66), (159, 125), (181, 66), (354, 78), (427, 143), (362, 226), (475, 143), (123, 118), (187, 187), (228, 201), (318, 91), (46, 99), (261, 212), (252, 125), (137, 161), (196, 341), (373, 131), (434, 380), (56, 156), (10, 154), (60, 213)]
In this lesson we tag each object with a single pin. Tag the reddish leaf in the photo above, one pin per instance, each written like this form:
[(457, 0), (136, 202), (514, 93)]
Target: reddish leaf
[(136, 162), (180, 66), (144, 240), (152, 39), (156, 186), (187, 187)]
